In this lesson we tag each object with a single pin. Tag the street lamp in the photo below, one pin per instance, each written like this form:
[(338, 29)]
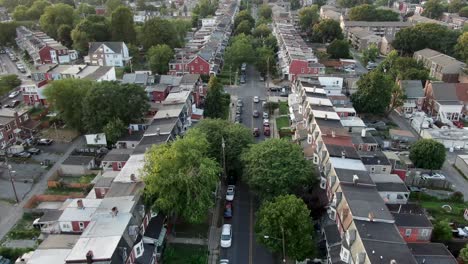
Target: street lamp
[(282, 240)]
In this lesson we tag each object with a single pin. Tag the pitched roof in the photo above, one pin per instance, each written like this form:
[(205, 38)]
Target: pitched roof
[(411, 220), (78, 160), (412, 88), (431, 253), (113, 45), (363, 200), (444, 91)]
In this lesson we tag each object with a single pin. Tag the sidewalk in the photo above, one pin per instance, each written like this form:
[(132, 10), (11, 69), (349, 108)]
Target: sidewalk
[(38, 188)]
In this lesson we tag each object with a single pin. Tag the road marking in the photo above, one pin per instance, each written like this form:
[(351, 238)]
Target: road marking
[(251, 232)]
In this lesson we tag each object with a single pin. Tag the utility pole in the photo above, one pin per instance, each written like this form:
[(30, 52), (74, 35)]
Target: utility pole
[(10, 172), (284, 246)]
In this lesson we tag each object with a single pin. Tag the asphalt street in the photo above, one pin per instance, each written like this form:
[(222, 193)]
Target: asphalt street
[(245, 249), (9, 67)]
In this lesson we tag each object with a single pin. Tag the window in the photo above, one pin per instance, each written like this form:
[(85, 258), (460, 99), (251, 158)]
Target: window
[(399, 196), (8, 127), (302, 70), (119, 165), (384, 169), (201, 67), (10, 136), (372, 169), (192, 68), (408, 232), (424, 232)]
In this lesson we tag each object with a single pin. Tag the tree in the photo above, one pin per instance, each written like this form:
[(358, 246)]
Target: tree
[(463, 256), (106, 101), (266, 61), (37, 9), (122, 27), (54, 16), (462, 46), (85, 9), (265, 11), (352, 3), (442, 231), (295, 4), (158, 31), (276, 167), (21, 13), (64, 35), (370, 54), (403, 68), (308, 17), (7, 33), (92, 28), (455, 5), (243, 15), (114, 130), (112, 5), (204, 8), (463, 12), (66, 97), (236, 139), (397, 100), (244, 27), (8, 83), (286, 218), (240, 51), (180, 178), (158, 58), (426, 35), (216, 101), (368, 12), (327, 30), (427, 154), (338, 49), (433, 9), (374, 93), (261, 31)]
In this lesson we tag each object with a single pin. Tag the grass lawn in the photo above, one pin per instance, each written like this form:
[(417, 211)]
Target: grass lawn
[(24, 229), (62, 191), (181, 254), (282, 122), (434, 208), (283, 108), (191, 230)]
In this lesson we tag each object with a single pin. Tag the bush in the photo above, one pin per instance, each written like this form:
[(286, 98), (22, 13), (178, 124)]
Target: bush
[(13, 253), (457, 197), (271, 106)]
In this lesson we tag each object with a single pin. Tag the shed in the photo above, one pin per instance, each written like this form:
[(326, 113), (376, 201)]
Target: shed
[(77, 165), (402, 135)]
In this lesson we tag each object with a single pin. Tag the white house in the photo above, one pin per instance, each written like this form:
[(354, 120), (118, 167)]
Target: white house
[(108, 54)]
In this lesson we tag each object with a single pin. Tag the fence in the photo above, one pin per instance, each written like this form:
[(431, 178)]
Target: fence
[(414, 179), (56, 181), (39, 198)]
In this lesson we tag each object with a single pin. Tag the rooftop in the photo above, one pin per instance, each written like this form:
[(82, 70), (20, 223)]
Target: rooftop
[(49, 256), (378, 231), (347, 175), (132, 136), (431, 253), (340, 163), (73, 213), (391, 187), (412, 220), (364, 200), (118, 155), (162, 126), (61, 241), (384, 252), (412, 88), (78, 160), (339, 151), (132, 167), (168, 111), (148, 141)]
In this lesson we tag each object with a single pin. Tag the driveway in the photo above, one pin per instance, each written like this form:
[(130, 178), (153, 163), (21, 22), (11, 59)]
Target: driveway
[(10, 214)]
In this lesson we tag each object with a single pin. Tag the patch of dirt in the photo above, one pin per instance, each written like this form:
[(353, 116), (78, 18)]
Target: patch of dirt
[(60, 134)]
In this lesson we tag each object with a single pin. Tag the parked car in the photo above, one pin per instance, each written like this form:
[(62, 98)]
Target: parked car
[(256, 114), (371, 66), (275, 89), (45, 141), (228, 210), (350, 70), (262, 79), (463, 232), (22, 154), (230, 193), (224, 261), (226, 236), (13, 104), (266, 131), (13, 94), (238, 118), (284, 94), (256, 132), (239, 102), (265, 115), (266, 122), (433, 176), (256, 99), (242, 79), (34, 151)]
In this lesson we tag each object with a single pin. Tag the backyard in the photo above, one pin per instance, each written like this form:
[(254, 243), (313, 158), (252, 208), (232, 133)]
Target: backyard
[(452, 209), (182, 253)]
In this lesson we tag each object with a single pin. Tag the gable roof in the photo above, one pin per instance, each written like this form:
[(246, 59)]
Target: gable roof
[(444, 91), (113, 45), (412, 88)]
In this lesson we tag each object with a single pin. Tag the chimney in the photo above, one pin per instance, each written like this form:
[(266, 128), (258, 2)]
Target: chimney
[(89, 257), (333, 133), (343, 154), (133, 177), (371, 216), (167, 116), (326, 116), (79, 204), (355, 179), (158, 131), (114, 211), (363, 133)]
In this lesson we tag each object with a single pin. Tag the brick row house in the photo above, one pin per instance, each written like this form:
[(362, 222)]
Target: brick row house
[(114, 54), (42, 48), (441, 67), (14, 124), (446, 101)]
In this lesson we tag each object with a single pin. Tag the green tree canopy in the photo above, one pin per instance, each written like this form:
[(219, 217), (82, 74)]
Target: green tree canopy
[(370, 54), (261, 31), (158, 58), (8, 33), (114, 130), (442, 231), (236, 139), (464, 254), (85, 9), (295, 4), (37, 9), (427, 154), (8, 83), (338, 49), (286, 217), (92, 28), (21, 13), (244, 27), (463, 12), (368, 12), (106, 101), (240, 51), (122, 26), (180, 178), (242, 16), (66, 97), (265, 11), (434, 9), (158, 31), (64, 35), (308, 17), (266, 61), (352, 3), (216, 101), (327, 30), (112, 5), (426, 35), (462, 46), (275, 167), (374, 93), (403, 68), (54, 16), (455, 5), (204, 8)]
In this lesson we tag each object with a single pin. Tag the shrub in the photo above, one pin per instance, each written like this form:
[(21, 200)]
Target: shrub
[(457, 197)]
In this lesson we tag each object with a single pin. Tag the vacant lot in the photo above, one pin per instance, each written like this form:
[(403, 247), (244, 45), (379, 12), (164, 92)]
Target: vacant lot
[(181, 254)]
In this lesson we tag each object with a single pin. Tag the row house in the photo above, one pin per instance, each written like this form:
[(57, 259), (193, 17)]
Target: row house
[(295, 57), (414, 96), (33, 90), (446, 102), (42, 48), (15, 124), (412, 222), (391, 188), (441, 67), (114, 54), (418, 19), (378, 28), (115, 159), (454, 19)]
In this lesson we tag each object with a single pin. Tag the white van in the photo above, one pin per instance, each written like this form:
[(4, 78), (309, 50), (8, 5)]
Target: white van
[(226, 236)]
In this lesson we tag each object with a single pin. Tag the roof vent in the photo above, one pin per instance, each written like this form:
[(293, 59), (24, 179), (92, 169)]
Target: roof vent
[(326, 116), (114, 211), (158, 131), (343, 154), (133, 177), (333, 133), (89, 257), (79, 204), (371, 216), (393, 261), (355, 179)]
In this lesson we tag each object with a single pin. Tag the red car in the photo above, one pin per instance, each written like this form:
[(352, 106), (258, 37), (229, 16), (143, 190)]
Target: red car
[(266, 131), (228, 210)]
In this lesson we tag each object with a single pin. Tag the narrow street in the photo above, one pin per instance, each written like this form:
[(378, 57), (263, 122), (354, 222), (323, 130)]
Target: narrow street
[(245, 249)]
